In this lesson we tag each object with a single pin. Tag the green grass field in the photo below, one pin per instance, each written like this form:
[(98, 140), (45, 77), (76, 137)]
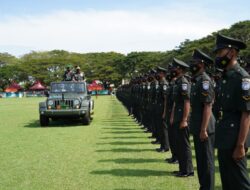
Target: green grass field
[(112, 153)]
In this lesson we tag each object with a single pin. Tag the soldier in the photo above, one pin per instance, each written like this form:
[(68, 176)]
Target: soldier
[(179, 118), (169, 107), (232, 127), (68, 74), (153, 107), (78, 75), (161, 102), (202, 121)]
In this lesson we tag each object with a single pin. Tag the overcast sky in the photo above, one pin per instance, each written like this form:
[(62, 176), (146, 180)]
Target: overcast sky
[(112, 25)]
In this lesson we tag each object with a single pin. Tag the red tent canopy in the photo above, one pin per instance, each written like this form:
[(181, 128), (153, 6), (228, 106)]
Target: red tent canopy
[(37, 86), (95, 85), (14, 87)]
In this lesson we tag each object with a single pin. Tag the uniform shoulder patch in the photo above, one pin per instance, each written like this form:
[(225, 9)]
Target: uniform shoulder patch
[(245, 84), (205, 85), (184, 86), (164, 87)]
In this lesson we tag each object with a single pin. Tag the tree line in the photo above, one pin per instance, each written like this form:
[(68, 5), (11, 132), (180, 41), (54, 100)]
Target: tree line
[(48, 66)]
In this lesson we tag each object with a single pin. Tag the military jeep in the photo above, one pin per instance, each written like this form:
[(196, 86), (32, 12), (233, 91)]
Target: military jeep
[(67, 99)]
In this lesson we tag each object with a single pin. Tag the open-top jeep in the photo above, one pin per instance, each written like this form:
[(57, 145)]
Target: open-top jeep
[(67, 99)]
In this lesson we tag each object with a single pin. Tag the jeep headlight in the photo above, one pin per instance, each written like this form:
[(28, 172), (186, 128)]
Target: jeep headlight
[(50, 102), (76, 102)]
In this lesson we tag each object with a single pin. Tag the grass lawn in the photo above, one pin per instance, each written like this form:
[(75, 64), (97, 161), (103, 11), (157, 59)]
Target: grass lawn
[(111, 154)]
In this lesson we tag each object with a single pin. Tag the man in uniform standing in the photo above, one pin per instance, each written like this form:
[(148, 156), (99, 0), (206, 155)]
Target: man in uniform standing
[(68, 74), (202, 121), (232, 127), (169, 107), (161, 102), (78, 75), (179, 118)]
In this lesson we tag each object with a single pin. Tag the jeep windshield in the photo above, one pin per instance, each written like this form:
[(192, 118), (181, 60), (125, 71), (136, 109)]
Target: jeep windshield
[(67, 87)]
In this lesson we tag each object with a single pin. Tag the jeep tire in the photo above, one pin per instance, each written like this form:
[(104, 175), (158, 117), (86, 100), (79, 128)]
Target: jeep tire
[(86, 119), (44, 121)]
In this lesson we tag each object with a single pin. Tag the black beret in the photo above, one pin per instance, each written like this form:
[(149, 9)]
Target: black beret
[(161, 69), (228, 42), (179, 64), (198, 54)]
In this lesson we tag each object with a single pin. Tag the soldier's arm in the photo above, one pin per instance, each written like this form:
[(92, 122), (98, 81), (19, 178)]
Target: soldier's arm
[(172, 114), (207, 111), (186, 111), (165, 107), (239, 151)]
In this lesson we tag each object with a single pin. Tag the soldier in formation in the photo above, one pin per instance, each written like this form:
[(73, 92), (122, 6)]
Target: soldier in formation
[(214, 106)]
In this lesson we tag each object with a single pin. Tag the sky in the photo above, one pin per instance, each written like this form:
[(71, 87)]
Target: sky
[(112, 25)]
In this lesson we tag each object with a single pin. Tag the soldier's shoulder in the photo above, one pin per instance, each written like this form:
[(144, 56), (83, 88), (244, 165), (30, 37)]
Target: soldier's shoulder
[(184, 79), (241, 73), (205, 76), (165, 82)]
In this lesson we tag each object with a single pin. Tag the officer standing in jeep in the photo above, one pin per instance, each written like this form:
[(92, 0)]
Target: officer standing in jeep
[(68, 74), (78, 75)]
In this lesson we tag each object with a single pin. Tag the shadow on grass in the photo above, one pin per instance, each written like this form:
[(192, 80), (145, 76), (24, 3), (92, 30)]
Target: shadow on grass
[(123, 132), (132, 160), (132, 172), (122, 143), (121, 150), (120, 128), (59, 123), (131, 137)]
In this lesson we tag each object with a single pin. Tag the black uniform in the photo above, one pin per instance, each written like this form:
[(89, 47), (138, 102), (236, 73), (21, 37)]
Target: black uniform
[(162, 125), (233, 99), (172, 139), (202, 92), (68, 76), (181, 93)]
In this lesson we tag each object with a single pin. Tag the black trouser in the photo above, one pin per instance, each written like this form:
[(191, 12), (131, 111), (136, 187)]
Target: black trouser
[(234, 175), (172, 140), (161, 128), (204, 153), (184, 152), (155, 121)]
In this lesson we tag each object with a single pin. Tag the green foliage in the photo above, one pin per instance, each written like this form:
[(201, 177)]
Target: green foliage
[(49, 66)]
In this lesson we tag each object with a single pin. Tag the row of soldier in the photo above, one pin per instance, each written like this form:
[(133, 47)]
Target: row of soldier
[(215, 108), (73, 75)]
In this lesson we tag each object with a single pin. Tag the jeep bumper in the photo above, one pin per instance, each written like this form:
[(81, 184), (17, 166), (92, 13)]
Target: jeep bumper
[(58, 113)]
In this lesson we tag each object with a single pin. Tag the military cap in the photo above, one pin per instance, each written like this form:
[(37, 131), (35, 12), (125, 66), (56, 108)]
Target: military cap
[(152, 71), (198, 54), (179, 64), (69, 66), (161, 69), (228, 42)]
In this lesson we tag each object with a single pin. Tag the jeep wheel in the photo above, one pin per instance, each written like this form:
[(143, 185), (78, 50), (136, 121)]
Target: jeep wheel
[(86, 119), (44, 121)]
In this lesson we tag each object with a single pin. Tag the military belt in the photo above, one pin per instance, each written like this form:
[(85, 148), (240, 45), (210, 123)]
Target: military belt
[(227, 114)]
